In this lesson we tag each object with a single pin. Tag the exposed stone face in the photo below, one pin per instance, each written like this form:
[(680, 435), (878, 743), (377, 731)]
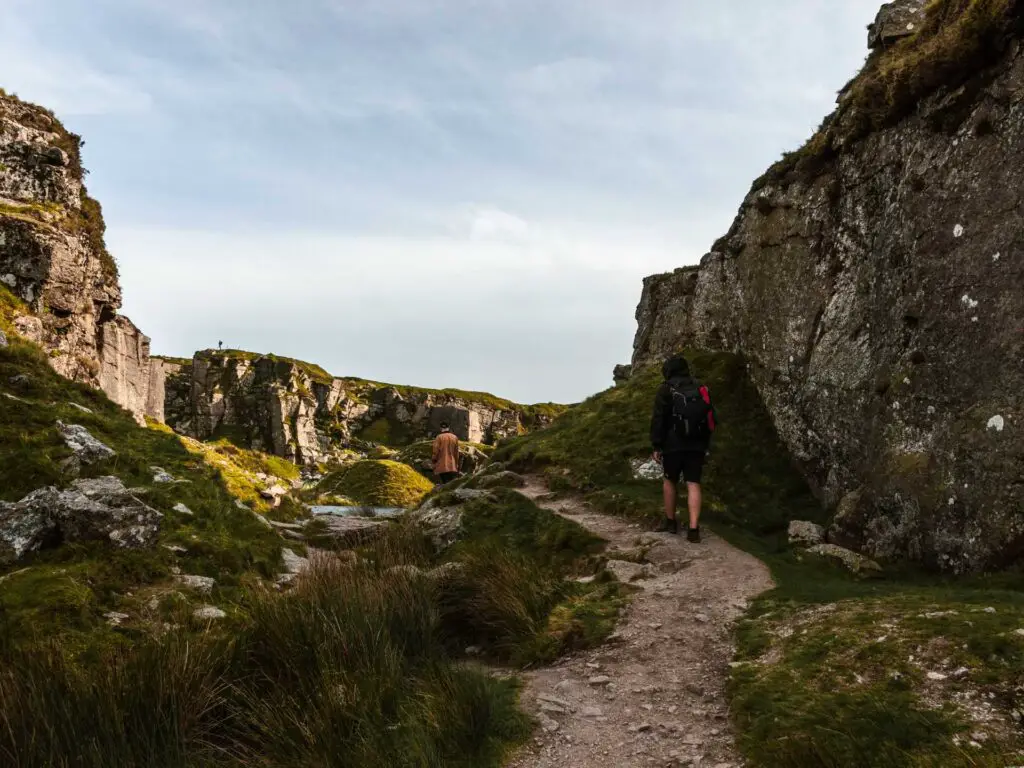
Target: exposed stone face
[(100, 509), (160, 370), (282, 407), (879, 305), (126, 373), (48, 259), (896, 20)]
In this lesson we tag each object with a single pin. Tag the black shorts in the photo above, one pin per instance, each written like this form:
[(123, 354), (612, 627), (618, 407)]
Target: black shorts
[(686, 464)]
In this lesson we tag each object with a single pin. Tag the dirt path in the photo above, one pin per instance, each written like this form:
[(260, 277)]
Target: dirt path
[(656, 694)]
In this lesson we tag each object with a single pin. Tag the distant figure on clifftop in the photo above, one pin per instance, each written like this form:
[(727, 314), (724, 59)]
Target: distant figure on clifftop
[(220, 345), (681, 428), (446, 454)]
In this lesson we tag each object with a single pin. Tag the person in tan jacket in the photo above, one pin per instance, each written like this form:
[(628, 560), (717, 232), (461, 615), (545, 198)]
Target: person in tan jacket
[(446, 454)]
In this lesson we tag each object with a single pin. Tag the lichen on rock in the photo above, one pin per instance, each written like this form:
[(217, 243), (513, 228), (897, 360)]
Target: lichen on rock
[(887, 387)]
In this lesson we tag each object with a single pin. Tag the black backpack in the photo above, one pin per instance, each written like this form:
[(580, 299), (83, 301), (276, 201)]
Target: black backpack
[(691, 410)]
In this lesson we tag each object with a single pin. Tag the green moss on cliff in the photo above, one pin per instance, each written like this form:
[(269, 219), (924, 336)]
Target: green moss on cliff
[(311, 370), (957, 42), (377, 484)]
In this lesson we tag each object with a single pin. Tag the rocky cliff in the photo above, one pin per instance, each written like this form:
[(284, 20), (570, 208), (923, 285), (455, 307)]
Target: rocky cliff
[(299, 411), (52, 255), (873, 281)]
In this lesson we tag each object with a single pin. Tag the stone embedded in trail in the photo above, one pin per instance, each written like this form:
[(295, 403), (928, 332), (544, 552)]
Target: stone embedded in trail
[(627, 572), (182, 509), (805, 534), (3, 340)]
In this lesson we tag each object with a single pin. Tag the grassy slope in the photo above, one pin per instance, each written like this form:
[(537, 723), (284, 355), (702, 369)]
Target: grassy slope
[(796, 695), (66, 591), (359, 665)]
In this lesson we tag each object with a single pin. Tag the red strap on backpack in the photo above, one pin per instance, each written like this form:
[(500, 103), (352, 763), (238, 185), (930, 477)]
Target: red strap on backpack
[(711, 414)]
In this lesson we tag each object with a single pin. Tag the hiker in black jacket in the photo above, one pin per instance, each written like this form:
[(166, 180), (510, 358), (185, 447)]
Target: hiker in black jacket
[(681, 428)]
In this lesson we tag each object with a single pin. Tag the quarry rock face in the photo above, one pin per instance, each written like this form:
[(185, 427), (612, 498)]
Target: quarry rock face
[(878, 297), (298, 411), (52, 257)]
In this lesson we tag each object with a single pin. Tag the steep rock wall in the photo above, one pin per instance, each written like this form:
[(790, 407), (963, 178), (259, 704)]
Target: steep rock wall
[(300, 412), (52, 255), (878, 295)]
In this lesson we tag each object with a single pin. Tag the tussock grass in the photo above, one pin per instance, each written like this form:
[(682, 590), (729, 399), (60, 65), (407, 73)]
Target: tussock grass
[(349, 669)]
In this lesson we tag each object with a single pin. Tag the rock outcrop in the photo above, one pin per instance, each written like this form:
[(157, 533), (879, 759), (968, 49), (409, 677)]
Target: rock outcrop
[(101, 509), (896, 21), (53, 257), (873, 282), (299, 411)]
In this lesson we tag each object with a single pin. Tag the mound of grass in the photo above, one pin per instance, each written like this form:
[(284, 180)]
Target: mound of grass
[(377, 483), (508, 520)]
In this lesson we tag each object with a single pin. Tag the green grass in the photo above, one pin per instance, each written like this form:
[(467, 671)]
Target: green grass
[(351, 669), (514, 594), (796, 696), (377, 483), (221, 540)]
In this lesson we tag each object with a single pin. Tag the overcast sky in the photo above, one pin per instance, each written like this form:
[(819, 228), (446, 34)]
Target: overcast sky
[(437, 192)]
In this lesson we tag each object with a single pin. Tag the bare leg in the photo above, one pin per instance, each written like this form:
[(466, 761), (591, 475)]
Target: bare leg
[(693, 498), (671, 493)]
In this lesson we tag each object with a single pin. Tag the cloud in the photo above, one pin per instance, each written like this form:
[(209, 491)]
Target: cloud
[(441, 192)]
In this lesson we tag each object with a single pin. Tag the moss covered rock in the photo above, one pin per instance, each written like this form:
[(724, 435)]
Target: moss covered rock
[(378, 483)]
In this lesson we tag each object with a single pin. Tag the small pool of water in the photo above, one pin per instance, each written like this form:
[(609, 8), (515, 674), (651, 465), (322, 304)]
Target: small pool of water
[(359, 511)]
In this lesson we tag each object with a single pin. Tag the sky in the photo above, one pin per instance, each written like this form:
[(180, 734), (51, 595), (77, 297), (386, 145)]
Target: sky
[(462, 193)]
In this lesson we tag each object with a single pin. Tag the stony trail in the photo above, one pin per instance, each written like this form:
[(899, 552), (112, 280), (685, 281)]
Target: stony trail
[(655, 695)]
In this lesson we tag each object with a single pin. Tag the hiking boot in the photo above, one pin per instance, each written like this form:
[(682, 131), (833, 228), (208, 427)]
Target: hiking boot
[(693, 535), (669, 526)]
